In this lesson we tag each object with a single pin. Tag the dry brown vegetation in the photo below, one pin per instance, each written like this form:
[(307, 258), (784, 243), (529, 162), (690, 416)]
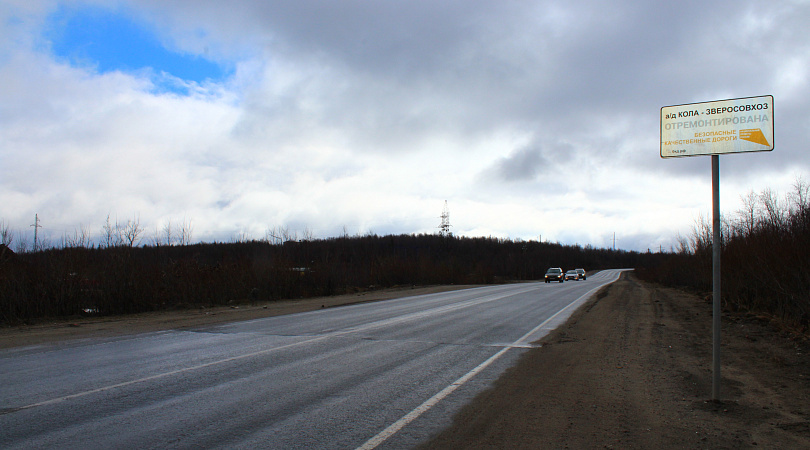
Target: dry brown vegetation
[(122, 278), (765, 262), (766, 270)]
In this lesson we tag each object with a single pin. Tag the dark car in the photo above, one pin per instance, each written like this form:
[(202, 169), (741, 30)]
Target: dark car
[(581, 273), (555, 274)]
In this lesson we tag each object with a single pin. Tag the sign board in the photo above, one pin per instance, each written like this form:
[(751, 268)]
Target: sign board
[(716, 128)]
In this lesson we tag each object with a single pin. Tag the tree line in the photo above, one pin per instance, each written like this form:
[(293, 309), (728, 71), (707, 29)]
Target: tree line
[(121, 278), (765, 257), (765, 265)]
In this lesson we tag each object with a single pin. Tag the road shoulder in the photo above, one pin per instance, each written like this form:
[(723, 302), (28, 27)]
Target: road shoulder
[(631, 369)]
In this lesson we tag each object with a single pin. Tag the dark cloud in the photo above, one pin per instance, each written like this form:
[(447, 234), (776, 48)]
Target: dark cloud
[(336, 100), (391, 74), (522, 165)]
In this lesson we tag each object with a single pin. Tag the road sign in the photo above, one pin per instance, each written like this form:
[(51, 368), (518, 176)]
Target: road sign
[(716, 128)]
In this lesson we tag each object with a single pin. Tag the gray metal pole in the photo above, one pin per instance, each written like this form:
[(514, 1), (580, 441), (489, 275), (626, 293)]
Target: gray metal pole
[(716, 251)]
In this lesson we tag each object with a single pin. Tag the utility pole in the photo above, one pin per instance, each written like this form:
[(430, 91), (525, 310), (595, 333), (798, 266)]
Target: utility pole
[(36, 226)]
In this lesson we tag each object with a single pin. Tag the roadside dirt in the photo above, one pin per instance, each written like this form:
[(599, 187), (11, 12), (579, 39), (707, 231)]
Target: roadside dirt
[(630, 369)]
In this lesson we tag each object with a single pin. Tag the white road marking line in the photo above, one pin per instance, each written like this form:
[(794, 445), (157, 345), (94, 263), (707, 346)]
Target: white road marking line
[(432, 401), (519, 344), (161, 375), (376, 324), (577, 302)]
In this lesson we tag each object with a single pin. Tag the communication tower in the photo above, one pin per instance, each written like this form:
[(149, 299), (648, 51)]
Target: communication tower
[(444, 228)]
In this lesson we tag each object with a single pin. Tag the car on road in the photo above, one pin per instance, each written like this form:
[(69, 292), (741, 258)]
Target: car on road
[(554, 274), (571, 275), (581, 273)]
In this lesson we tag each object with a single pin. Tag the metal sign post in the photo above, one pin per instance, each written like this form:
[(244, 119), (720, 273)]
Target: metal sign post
[(715, 128), (716, 252)]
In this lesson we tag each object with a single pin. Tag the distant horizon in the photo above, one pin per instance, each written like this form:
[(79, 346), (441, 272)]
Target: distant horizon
[(97, 239)]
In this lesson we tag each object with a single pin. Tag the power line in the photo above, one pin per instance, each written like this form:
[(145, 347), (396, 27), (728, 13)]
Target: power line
[(36, 226)]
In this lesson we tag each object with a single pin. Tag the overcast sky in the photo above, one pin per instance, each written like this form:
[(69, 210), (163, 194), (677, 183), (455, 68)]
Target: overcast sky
[(532, 119)]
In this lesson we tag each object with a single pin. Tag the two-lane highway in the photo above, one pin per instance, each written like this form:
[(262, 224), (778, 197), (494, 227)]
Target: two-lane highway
[(386, 374)]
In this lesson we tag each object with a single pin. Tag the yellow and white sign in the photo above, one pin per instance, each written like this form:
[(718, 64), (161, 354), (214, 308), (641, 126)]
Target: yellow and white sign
[(719, 127)]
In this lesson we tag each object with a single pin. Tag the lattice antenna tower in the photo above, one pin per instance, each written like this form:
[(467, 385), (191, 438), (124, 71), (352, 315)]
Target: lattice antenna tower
[(444, 228)]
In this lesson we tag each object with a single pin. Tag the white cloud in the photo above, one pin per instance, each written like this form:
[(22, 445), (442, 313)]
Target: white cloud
[(530, 118)]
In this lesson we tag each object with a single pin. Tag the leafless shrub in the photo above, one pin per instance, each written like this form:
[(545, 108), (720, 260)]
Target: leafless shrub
[(800, 197), (765, 267), (702, 235), (167, 232), (186, 230), (111, 234), (684, 246), (748, 216), (775, 209), (281, 234), (22, 245), (172, 235), (6, 235), (241, 237), (119, 279), (80, 238)]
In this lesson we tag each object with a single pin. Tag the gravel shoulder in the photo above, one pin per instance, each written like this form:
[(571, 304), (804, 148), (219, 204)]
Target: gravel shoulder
[(632, 369)]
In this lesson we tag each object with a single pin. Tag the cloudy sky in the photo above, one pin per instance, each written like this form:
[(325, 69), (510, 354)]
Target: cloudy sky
[(532, 119)]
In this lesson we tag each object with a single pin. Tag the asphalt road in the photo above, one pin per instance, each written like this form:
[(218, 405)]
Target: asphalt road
[(376, 375)]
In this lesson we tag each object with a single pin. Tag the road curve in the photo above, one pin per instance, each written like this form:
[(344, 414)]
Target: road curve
[(375, 375)]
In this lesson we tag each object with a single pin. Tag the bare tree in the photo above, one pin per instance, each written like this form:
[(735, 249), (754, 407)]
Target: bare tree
[(287, 235), (271, 236), (307, 234), (6, 235), (156, 239), (701, 234), (44, 242), (185, 232), (683, 245), (80, 238), (280, 235), (241, 237), (167, 231), (22, 245), (747, 216), (112, 235), (131, 232), (774, 208), (801, 195)]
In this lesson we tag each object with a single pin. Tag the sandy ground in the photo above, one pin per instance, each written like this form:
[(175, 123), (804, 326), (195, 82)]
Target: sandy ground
[(630, 369)]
